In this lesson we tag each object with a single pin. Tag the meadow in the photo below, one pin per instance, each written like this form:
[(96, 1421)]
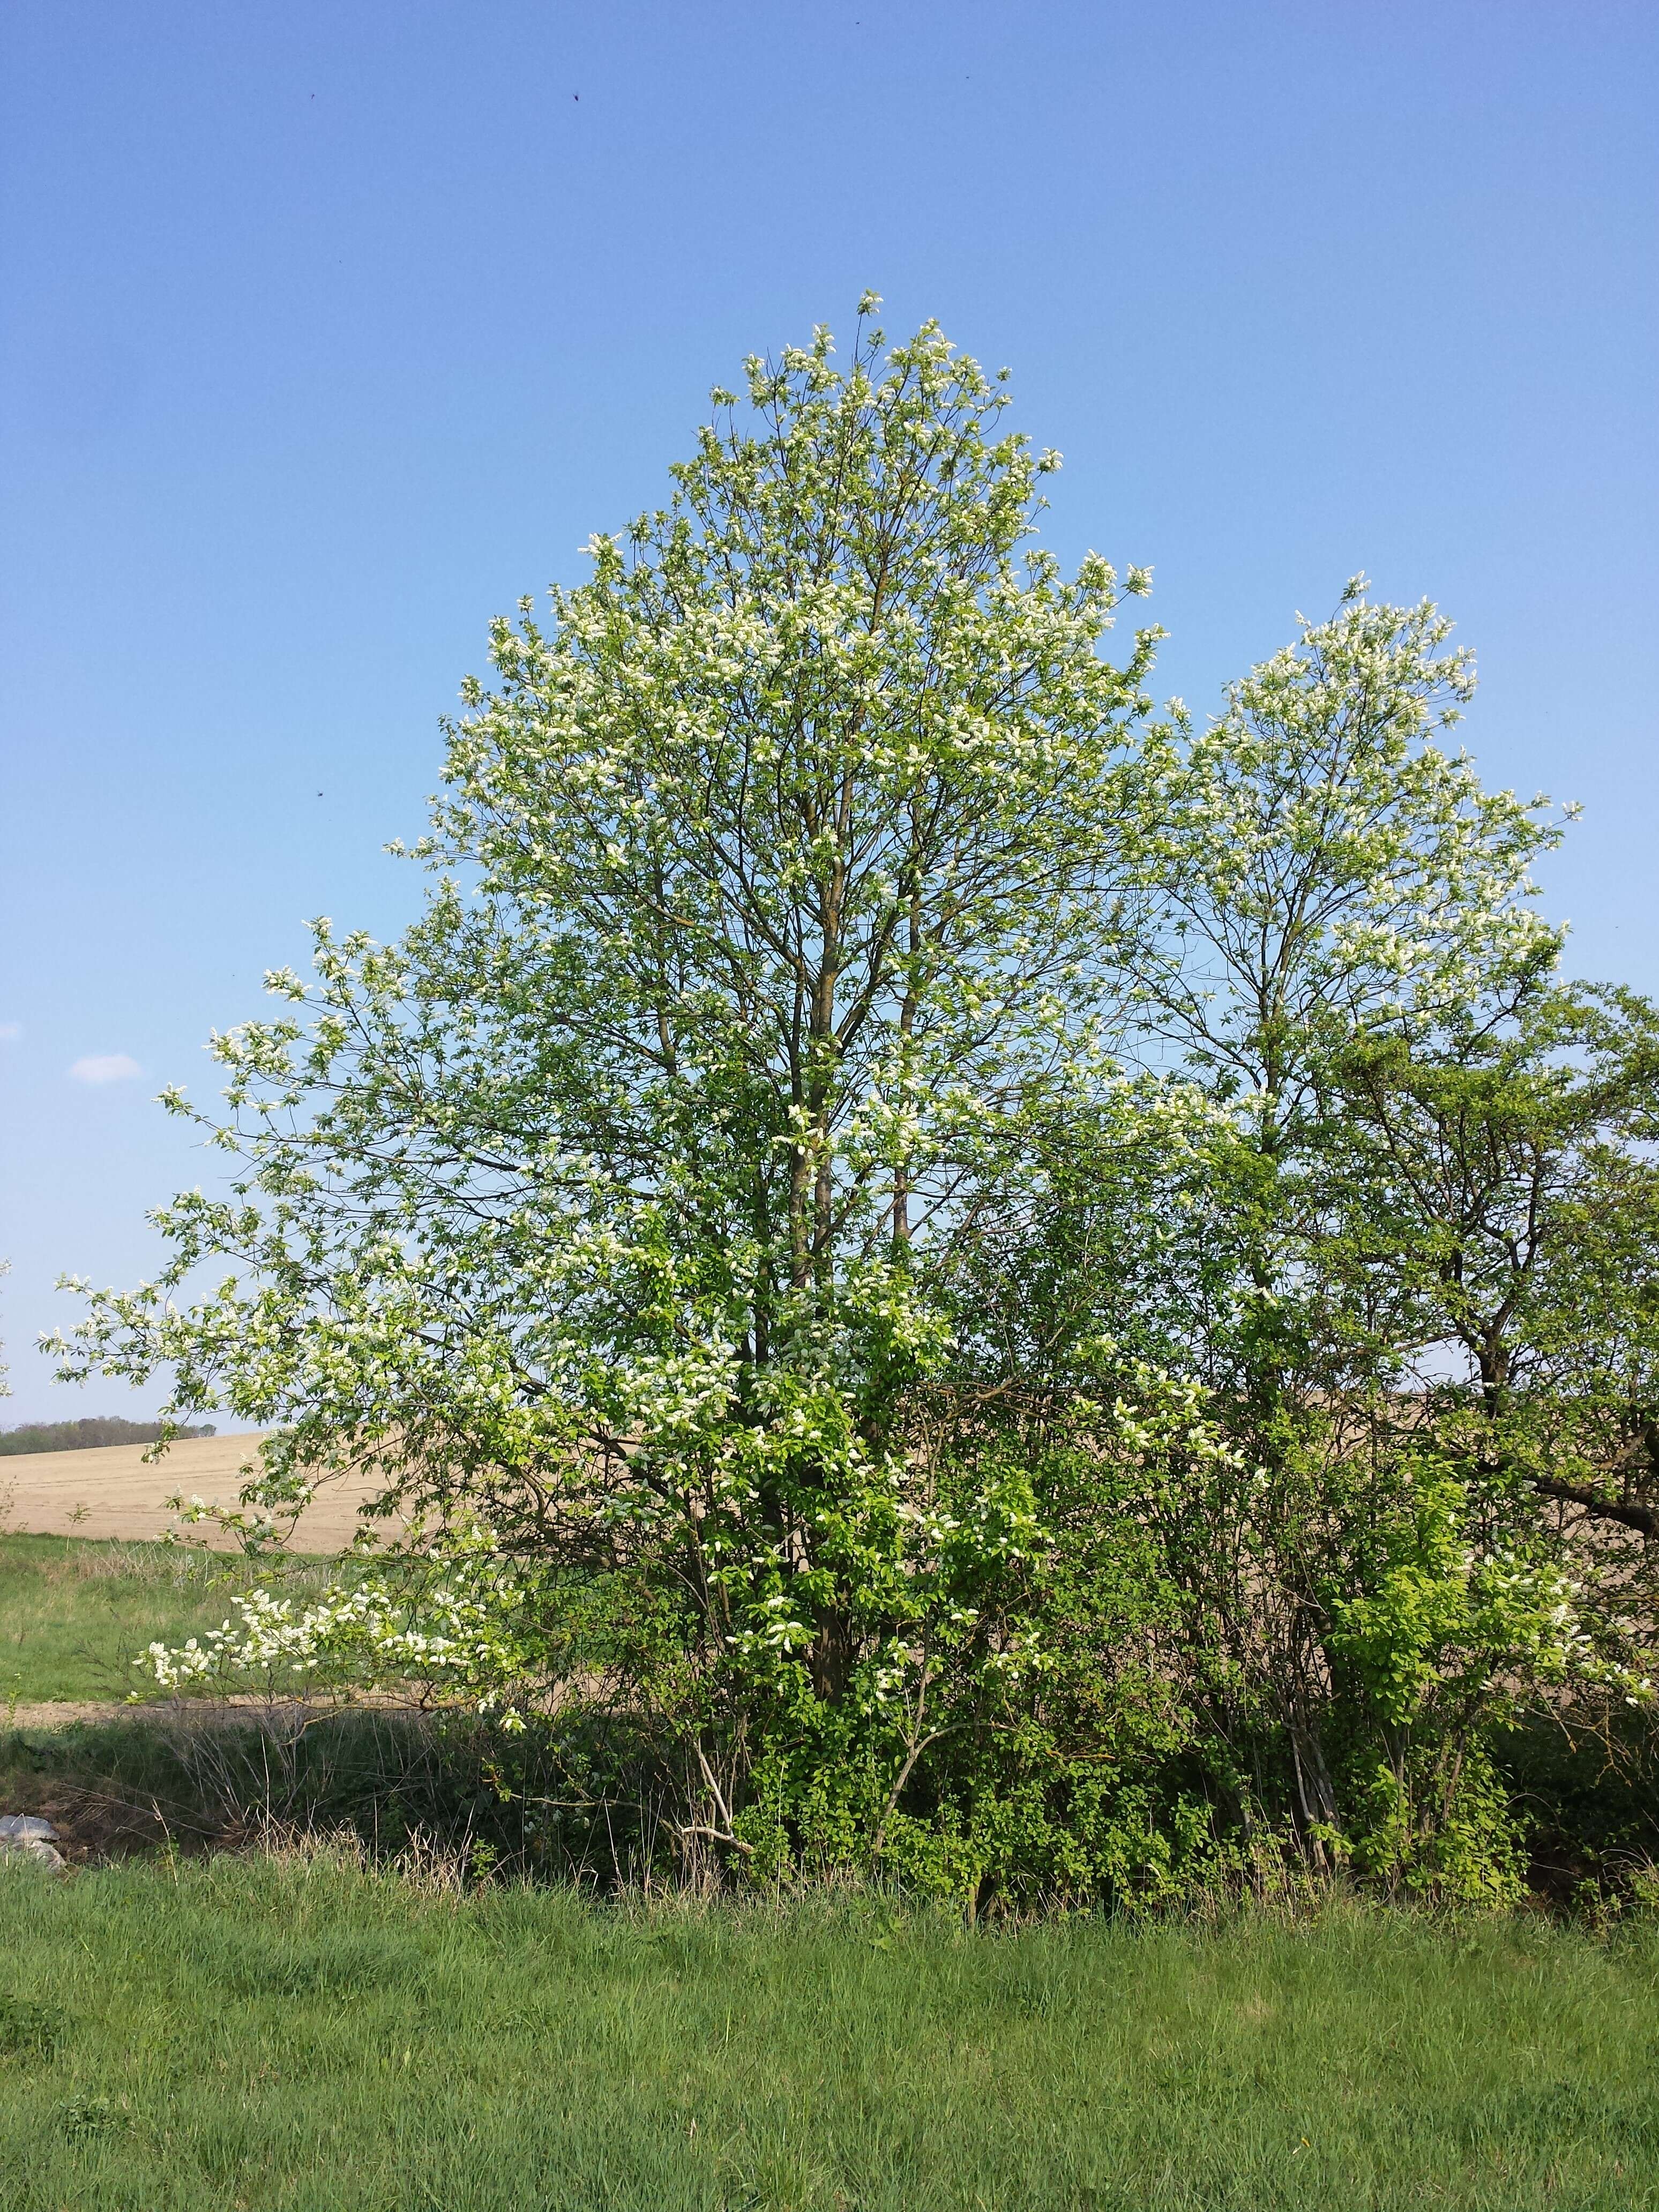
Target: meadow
[(300, 2028), (74, 1612), (301, 2032)]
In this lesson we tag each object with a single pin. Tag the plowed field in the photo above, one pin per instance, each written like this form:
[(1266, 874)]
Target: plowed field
[(116, 1491)]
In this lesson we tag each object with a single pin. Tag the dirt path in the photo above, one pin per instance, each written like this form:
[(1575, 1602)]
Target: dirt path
[(201, 1712), (58, 1714)]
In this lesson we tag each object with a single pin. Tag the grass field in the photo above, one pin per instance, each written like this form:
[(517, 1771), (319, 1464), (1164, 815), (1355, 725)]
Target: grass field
[(73, 1614), (299, 2032), (241, 2034)]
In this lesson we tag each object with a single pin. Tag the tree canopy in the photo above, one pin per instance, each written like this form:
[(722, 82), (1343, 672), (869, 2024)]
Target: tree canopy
[(1007, 1288)]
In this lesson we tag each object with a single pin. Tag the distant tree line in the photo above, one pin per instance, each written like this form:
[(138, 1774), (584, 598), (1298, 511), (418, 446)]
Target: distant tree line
[(84, 1436)]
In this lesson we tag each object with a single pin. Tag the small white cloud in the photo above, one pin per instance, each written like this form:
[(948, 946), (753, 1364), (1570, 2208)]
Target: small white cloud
[(10, 1032), (105, 1068)]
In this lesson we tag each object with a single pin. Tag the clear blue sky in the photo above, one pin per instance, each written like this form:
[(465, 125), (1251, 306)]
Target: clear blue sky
[(328, 328)]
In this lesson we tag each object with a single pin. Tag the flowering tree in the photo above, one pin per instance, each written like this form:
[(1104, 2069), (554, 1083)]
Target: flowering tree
[(781, 874), (898, 1230)]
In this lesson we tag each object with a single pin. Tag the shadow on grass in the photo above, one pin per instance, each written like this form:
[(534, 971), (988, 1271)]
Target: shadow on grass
[(571, 1802)]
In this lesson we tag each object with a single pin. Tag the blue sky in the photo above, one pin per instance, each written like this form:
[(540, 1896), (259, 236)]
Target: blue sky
[(328, 330)]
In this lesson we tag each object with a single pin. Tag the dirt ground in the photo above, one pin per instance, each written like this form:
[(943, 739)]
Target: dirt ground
[(115, 1492)]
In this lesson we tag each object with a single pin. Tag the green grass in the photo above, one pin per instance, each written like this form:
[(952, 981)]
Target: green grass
[(254, 2034), (304, 2035), (74, 1612)]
